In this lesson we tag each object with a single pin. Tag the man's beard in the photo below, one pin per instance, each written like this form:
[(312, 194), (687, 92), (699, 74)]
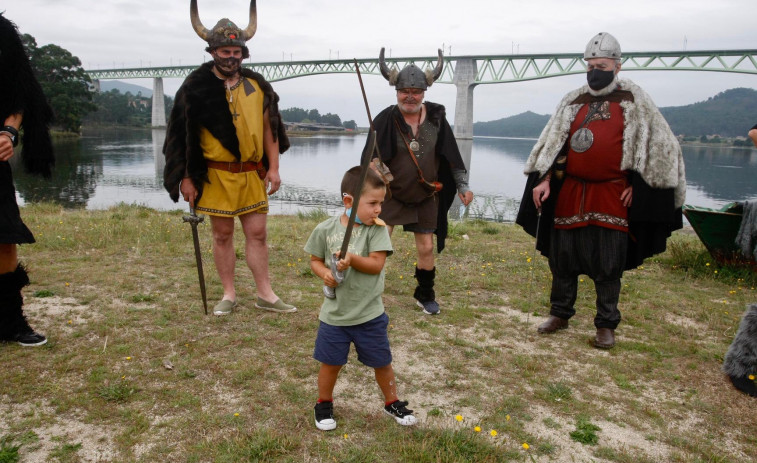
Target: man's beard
[(415, 107), (228, 67)]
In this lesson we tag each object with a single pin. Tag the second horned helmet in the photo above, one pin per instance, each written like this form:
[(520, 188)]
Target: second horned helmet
[(411, 76)]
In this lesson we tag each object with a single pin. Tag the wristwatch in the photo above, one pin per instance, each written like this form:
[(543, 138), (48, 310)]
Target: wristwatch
[(12, 134)]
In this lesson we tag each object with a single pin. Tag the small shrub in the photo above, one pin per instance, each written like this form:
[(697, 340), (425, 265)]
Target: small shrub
[(586, 432), (8, 452), (120, 392), (142, 298), (558, 391), (43, 293)]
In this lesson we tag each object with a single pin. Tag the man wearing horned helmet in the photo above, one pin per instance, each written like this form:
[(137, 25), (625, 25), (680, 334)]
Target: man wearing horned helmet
[(606, 183), (222, 151), (416, 143)]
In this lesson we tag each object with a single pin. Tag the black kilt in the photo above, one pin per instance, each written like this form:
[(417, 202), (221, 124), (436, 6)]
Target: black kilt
[(12, 228)]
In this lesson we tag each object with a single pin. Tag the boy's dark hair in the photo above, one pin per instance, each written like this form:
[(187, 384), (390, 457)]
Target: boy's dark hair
[(352, 177)]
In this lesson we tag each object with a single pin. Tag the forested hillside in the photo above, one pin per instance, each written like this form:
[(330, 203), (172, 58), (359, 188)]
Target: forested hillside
[(728, 114)]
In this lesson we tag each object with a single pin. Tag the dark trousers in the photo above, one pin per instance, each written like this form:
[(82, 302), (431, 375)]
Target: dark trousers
[(597, 252)]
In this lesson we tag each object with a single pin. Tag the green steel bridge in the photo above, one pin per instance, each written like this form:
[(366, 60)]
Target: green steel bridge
[(465, 72)]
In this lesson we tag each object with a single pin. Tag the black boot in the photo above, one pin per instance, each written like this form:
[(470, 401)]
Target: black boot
[(424, 292), (13, 324)]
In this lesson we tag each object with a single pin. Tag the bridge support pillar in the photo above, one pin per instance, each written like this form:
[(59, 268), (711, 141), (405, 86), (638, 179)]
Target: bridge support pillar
[(96, 85), (464, 78), (158, 103)]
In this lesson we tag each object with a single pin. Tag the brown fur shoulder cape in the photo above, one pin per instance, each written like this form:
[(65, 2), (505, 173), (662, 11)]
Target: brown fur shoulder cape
[(201, 102)]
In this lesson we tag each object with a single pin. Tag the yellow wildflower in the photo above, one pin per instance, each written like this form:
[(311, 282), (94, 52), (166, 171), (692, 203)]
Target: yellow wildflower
[(493, 433), (459, 417), (477, 429), (525, 446)]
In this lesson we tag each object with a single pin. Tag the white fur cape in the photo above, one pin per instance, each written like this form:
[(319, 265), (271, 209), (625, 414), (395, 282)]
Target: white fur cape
[(649, 146)]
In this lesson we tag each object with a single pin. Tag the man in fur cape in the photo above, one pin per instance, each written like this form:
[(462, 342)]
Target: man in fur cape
[(605, 187), (416, 142), (222, 151), (22, 105)]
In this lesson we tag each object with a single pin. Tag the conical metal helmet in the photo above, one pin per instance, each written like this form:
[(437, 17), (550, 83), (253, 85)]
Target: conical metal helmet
[(602, 45), (411, 76)]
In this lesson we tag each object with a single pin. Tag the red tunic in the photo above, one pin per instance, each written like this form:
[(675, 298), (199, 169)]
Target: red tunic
[(590, 194)]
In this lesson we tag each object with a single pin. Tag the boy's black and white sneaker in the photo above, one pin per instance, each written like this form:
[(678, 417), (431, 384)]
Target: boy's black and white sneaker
[(401, 414), (324, 416)]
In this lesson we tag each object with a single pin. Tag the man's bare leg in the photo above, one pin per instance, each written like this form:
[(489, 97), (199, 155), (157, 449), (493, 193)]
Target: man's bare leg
[(256, 251), (223, 253)]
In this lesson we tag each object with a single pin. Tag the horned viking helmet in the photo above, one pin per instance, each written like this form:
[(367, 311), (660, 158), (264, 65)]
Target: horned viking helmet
[(225, 33), (411, 76), (602, 45)]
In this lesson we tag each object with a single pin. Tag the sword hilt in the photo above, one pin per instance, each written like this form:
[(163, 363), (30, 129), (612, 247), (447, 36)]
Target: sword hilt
[(328, 291), (193, 218)]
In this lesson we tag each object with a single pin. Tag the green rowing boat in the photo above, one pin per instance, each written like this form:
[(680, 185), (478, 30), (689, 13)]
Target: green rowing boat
[(717, 229)]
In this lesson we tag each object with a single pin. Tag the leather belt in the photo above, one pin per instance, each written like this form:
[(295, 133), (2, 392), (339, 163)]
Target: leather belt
[(235, 167)]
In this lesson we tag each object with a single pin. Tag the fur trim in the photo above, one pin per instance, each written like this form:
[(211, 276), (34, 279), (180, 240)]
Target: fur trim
[(23, 94), (741, 358), (424, 292), (429, 73), (13, 281), (201, 102), (12, 320), (393, 77), (649, 146), (607, 90)]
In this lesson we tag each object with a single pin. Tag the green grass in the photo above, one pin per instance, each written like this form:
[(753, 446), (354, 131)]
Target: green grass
[(585, 432), (133, 370)]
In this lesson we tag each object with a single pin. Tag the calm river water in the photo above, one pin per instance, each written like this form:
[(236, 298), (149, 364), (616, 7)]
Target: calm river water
[(106, 167)]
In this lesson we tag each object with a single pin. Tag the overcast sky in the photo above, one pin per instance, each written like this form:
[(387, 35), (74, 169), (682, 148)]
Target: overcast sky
[(121, 33)]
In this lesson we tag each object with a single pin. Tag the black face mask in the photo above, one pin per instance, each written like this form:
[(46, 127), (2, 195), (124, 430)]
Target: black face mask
[(227, 66), (599, 79)]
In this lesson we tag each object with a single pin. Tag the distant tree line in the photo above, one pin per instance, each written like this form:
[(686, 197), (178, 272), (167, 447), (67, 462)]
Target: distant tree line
[(313, 116), (63, 81), (116, 108)]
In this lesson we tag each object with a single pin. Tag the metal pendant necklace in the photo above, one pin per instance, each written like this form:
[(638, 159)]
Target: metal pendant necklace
[(414, 145), (583, 138), (232, 101)]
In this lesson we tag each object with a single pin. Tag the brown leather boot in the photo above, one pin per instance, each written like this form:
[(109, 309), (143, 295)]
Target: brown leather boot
[(552, 324), (605, 338)]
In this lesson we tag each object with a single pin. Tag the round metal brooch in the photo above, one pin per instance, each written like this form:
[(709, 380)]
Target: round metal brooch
[(581, 140)]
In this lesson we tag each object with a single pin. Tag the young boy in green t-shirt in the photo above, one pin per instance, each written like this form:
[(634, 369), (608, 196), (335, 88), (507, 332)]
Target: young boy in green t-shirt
[(356, 315)]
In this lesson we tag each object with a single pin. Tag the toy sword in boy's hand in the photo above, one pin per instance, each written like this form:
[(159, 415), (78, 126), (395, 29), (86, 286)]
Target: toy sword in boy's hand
[(328, 291), (193, 220), (365, 163)]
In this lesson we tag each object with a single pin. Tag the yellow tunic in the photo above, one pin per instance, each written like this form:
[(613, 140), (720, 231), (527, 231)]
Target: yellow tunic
[(231, 194)]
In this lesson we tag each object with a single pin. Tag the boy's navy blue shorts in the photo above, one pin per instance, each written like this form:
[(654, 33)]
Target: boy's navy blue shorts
[(332, 345)]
